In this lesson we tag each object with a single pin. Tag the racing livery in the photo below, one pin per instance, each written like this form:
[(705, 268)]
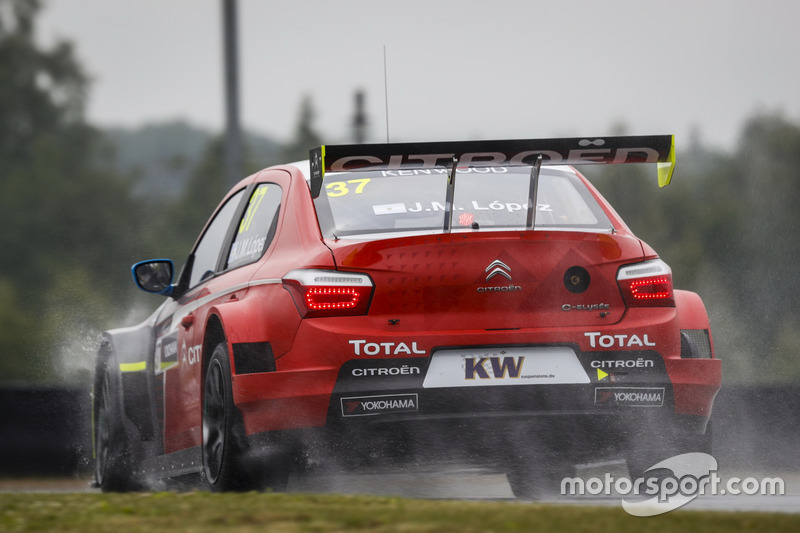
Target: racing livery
[(477, 300)]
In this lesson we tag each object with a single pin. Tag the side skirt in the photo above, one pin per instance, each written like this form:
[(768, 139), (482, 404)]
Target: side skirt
[(181, 463)]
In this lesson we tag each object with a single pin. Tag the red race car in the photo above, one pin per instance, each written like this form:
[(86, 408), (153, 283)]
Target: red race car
[(477, 301)]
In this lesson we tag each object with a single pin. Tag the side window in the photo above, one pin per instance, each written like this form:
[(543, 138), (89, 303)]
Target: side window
[(206, 254), (257, 227)]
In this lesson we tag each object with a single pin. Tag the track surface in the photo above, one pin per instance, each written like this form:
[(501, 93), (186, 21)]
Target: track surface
[(472, 484)]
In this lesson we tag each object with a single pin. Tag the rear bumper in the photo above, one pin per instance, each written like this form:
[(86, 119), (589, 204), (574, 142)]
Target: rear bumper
[(370, 391), (359, 370)]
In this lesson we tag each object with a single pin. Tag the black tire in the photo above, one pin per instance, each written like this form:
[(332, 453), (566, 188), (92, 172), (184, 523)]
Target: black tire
[(228, 463), (639, 460), (116, 460), (537, 474)]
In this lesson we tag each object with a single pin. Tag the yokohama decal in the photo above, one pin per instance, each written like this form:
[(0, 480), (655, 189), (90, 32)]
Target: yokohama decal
[(630, 396), (379, 405)]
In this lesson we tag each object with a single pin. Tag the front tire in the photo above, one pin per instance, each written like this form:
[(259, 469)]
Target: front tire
[(116, 460)]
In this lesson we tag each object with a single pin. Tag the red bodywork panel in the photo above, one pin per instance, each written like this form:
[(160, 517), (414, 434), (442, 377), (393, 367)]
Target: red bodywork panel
[(431, 292)]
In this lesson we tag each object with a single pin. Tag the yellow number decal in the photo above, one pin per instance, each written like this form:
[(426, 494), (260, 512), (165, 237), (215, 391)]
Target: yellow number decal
[(361, 184), (339, 188), (252, 207)]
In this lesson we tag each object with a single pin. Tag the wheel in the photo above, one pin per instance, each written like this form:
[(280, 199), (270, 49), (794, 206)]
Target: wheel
[(639, 460), (538, 474), (228, 462), (116, 460)]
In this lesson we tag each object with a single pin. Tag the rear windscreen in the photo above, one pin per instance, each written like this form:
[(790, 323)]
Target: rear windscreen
[(485, 198)]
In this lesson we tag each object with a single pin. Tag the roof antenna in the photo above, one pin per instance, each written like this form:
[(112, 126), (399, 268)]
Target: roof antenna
[(386, 92)]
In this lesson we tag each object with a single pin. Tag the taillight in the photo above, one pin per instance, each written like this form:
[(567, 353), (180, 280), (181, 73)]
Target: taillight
[(647, 284), (318, 293)]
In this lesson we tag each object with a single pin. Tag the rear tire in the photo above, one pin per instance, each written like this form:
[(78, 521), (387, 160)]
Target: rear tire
[(639, 460), (228, 462), (538, 474)]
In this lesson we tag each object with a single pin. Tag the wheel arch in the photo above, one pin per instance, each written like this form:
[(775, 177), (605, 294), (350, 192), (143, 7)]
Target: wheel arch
[(129, 351), (692, 315), (692, 312), (214, 334), (236, 323)]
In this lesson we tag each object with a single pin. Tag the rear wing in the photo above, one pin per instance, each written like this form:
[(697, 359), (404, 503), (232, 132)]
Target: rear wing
[(658, 149)]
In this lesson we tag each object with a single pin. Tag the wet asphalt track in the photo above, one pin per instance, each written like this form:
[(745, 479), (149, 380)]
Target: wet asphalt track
[(473, 484)]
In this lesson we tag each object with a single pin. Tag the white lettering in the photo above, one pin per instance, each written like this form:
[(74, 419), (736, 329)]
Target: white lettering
[(623, 154), (487, 158), (361, 346), (591, 154), (548, 155), (357, 346), (619, 340), (340, 164)]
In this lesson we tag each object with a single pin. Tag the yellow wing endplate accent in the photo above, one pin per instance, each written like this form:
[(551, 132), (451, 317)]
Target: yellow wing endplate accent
[(666, 168)]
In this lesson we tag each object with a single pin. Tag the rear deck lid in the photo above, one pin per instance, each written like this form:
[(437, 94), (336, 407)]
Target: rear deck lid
[(494, 280)]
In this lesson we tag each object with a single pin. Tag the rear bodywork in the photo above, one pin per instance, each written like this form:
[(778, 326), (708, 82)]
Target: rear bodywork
[(471, 331)]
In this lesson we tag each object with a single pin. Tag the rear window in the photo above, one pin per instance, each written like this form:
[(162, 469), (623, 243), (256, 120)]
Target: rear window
[(485, 198)]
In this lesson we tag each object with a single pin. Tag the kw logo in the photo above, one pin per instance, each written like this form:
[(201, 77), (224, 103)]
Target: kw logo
[(501, 367), (498, 268)]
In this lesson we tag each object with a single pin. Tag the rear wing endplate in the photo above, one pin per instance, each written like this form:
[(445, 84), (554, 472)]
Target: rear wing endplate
[(658, 149)]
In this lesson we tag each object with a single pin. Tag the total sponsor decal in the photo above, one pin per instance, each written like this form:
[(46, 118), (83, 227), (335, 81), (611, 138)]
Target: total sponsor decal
[(362, 347), (378, 405), (598, 339), (629, 396)]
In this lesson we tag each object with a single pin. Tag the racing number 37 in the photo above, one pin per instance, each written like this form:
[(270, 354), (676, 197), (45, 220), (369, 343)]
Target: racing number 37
[(340, 188)]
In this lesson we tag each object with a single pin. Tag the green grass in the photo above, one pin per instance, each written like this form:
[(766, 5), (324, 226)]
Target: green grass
[(205, 512)]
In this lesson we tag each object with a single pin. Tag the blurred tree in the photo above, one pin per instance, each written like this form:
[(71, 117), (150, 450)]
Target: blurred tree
[(764, 181), (305, 137), (728, 227), (41, 91), (68, 221)]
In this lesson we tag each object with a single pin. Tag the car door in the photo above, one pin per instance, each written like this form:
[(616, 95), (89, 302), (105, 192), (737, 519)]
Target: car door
[(223, 262), (178, 368)]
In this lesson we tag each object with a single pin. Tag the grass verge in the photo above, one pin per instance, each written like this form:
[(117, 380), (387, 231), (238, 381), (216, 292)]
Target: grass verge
[(279, 513)]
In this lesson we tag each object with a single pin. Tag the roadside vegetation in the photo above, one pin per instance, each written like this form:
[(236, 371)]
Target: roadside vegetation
[(286, 513), (79, 204)]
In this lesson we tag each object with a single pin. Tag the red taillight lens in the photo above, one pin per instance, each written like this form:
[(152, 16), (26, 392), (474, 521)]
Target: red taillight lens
[(332, 298), (651, 288), (647, 284), (318, 293)]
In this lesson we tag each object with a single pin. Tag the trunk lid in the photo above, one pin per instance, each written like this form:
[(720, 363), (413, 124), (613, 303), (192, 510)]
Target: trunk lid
[(494, 280)]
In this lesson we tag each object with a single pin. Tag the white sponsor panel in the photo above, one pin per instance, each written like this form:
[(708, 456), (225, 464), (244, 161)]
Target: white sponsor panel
[(389, 209), (548, 365)]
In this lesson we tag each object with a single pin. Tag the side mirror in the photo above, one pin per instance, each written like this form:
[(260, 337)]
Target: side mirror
[(154, 276)]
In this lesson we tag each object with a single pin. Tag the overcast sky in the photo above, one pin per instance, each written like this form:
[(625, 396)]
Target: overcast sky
[(456, 69)]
